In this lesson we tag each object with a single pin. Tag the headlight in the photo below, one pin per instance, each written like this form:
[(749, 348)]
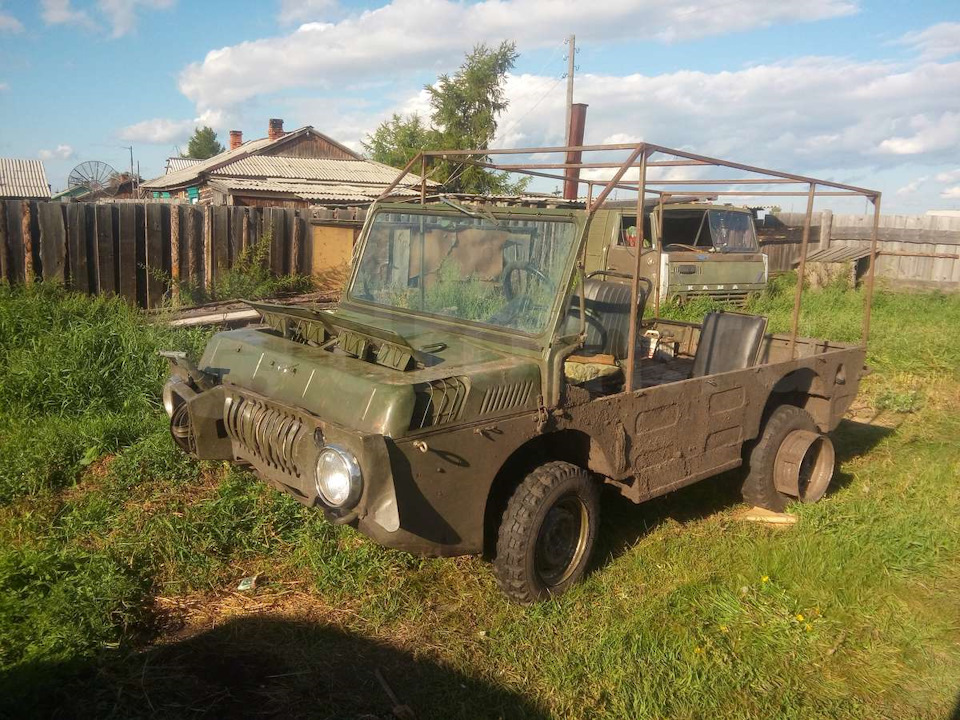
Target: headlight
[(339, 482)]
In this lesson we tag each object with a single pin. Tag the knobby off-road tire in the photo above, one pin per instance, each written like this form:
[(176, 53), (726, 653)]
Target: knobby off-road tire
[(758, 486), (547, 533)]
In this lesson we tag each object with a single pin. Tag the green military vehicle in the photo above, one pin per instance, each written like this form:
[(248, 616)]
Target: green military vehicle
[(476, 387), (690, 249)]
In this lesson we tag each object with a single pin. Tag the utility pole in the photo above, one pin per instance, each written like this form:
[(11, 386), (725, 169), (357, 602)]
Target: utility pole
[(571, 57)]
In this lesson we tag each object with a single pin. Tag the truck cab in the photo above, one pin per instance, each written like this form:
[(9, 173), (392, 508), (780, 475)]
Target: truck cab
[(689, 250)]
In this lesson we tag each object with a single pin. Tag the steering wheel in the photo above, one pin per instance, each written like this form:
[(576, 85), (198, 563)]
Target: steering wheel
[(526, 267)]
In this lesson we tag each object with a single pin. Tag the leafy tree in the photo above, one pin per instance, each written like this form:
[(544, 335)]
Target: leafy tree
[(464, 110), (203, 144)]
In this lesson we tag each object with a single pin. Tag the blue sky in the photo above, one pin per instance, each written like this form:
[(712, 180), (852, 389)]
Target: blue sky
[(865, 92)]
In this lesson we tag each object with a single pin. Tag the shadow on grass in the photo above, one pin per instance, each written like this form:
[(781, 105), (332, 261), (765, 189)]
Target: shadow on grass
[(625, 523), (257, 667)]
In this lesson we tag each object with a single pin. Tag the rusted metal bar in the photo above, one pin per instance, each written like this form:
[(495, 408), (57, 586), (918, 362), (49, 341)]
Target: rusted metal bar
[(578, 118), (493, 166), (530, 151), (738, 181), (753, 193), (635, 280), (589, 193), (608, 188), (798, 295), (659, 259), (403, 173), (598, 165), (871, 270)]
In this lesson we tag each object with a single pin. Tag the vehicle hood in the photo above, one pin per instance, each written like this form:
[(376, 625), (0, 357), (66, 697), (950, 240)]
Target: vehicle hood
[(466, 381)]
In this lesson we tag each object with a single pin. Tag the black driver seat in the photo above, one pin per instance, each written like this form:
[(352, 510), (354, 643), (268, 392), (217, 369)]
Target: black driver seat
[(608, 317)]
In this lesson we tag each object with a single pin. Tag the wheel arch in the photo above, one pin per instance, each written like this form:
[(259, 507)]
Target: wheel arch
[(804, 388), (573, 446)]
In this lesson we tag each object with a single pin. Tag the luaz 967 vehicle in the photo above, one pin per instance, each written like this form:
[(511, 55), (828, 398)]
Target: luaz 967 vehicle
[(476, 387)]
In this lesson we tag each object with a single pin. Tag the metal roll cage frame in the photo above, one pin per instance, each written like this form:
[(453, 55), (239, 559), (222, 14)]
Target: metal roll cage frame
[(644, 156)]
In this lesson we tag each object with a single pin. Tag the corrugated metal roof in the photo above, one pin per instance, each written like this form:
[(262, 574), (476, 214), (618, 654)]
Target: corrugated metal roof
[(306, 189), (189, 175), (325, 169), (23, 179), (838, 253), (175, 164)]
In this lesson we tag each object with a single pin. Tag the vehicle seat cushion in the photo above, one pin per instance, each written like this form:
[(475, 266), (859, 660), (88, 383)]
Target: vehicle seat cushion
[(728, 341), (608, 317)]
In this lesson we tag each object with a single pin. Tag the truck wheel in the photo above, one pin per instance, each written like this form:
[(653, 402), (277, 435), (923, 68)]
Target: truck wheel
[(547, 533), (791, 461)]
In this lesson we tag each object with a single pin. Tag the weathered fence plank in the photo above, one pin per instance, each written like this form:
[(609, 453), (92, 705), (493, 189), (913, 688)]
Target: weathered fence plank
[(106, 255), (236, 234), (278, 219), (175, 254), (4, 261), (15, 267), (78, 270), (53, 242), (127, 256), (155, 271), (221, 241)]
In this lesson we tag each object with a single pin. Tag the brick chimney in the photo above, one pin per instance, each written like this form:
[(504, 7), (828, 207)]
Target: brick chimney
[(236, 139), (275, 128)]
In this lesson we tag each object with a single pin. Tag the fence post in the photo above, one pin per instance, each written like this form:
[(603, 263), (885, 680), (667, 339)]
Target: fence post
[(207, 247), (826, 229), (296, 256), (4, 270), (27, 239)]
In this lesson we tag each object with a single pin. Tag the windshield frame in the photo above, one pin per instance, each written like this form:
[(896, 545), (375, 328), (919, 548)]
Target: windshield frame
[(565, 284)]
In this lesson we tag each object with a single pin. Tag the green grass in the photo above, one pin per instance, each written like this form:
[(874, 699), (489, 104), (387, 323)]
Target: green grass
[(119, 561)]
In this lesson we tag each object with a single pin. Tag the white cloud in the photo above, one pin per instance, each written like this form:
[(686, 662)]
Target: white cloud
[(408, 35), (949, 176), (158, 131), (935, 42), (930, 133), (4, 86), (295, 11), (122, 14), (911, 187), (951, 193), (62, 12), (8, 23), (119, 15), (62, 152)]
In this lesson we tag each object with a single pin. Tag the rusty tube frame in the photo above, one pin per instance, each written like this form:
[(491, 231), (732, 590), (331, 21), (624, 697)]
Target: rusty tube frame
[(798, 294), (635, 280), (641, 156)]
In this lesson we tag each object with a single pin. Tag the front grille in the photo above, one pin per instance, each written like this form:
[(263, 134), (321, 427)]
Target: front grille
[(269, 434)]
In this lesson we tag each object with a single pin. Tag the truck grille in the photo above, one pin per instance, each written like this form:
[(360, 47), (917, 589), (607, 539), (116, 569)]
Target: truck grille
[(269, 434)]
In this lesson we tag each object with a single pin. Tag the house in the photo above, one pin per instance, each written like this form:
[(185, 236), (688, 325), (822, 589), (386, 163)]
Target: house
[(23, 180), (285, 169)]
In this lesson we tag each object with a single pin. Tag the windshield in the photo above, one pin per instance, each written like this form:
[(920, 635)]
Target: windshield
[(732, 231), (504, 273)]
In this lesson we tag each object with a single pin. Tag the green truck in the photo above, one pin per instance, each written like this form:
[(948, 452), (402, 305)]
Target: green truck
[(690, 249), (488, 371)]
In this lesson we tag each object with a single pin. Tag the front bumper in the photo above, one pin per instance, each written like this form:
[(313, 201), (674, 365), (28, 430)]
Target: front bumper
[(282, 443)]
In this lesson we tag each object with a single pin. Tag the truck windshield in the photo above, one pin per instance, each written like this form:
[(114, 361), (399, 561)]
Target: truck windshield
[(504, 273), (732, 231)]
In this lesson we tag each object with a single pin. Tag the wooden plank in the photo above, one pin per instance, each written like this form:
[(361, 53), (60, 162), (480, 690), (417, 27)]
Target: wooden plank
[(53, 242), (155, 272), (26, 235), (297, 251), (207, 247), (221, 241), (140, 228), (15, 266), (127, 255), (245, 232), (4, 261), (106, 255), (175, 254), (278, 222), (191, 216), (78, 270), (236, 234)]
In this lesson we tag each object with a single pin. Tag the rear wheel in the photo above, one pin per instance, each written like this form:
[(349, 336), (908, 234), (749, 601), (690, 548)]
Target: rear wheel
[(791, 461), (547, 533)]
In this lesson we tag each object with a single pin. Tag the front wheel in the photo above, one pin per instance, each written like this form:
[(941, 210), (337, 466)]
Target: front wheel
[(547, 533)]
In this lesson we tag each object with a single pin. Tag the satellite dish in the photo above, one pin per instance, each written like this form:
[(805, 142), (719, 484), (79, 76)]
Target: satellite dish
[(95, 177)]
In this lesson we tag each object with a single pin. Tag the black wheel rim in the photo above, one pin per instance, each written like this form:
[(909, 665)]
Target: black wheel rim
[(562, 540)]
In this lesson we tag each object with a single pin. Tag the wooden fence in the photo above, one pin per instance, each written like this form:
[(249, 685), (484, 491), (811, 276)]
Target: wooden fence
[(915, 251), (145, 251)]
